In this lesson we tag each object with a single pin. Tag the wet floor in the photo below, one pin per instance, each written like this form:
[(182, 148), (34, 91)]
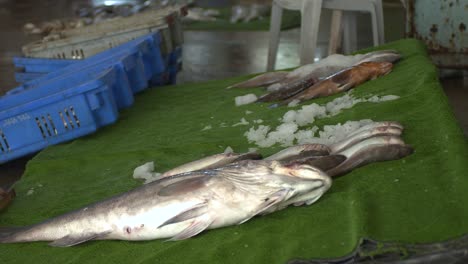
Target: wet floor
[(207, 55)]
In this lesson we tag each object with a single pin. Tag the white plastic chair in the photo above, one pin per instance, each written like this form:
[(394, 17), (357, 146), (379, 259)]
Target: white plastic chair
[(310, 20)]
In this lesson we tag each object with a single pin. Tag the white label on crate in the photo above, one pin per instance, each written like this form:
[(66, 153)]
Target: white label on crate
[(13, 120)]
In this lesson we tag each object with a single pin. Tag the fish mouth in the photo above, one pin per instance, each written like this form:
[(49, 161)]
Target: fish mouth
[(308, 173)]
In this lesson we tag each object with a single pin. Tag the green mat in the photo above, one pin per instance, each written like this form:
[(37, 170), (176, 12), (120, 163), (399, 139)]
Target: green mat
[(290, 19), (421, 198)]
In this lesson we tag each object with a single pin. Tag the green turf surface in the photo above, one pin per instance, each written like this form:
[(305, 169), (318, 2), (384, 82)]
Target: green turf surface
[(290, 19), (421, 198)]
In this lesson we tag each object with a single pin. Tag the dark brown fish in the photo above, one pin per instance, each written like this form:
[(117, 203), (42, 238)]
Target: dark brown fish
[(343, 80)]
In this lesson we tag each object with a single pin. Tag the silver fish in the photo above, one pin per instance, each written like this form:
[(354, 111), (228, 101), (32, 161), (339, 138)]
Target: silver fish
[(182, 206), (380, 148), (365, 134), (211, 162), (300, 151)]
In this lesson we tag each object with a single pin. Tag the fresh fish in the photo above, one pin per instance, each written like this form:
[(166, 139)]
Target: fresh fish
[(337, 62), (318, 70), (288, 90), (211, 162), (182, 206), (261, 80), (365, 134), (343, 80), (300, 151), (374, 149)]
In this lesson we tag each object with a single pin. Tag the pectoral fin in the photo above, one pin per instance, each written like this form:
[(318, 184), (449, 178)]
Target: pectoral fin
[(196, 227), (192, 213), (68, 241), (274, 199)]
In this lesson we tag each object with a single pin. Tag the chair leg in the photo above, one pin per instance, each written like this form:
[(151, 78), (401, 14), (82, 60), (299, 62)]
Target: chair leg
[(275, 28), (380, 20), (349, 32), (375, 27), (310, 20), (335, 32)]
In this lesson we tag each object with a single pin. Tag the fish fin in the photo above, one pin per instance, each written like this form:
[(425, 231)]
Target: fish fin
[(191, 213), (183, 186), (198, 225), (68, 241), (275, 198)]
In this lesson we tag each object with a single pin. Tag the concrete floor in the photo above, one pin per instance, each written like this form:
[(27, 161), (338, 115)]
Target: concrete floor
[(207, 55)]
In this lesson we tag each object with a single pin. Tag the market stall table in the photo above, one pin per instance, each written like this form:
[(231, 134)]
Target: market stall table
[(421, 198)]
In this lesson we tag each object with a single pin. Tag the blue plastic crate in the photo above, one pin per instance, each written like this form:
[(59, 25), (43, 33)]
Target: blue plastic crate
[(148, 48), (37, 65), (128, 73), (22, 77), (30, 122)]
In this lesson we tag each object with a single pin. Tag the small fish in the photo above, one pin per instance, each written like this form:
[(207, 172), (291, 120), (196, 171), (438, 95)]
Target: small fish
[(299, 152), (365, 134), (261, 80), (211, 162), (381, 148), (182, 206), (343, 81)]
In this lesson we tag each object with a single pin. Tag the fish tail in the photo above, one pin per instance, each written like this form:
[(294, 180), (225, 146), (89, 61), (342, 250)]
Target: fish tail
[(10, 234)]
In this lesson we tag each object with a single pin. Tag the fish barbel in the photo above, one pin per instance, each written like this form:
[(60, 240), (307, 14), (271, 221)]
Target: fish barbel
[(181, 206)]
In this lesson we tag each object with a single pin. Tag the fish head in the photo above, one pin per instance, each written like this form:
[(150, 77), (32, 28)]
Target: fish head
[(308, 183)]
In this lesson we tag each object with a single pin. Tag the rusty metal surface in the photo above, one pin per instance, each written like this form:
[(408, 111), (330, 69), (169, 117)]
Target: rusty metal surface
[(441, 24)]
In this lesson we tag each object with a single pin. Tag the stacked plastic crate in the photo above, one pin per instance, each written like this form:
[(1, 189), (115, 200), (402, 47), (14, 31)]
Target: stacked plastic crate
[(73, 86)]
